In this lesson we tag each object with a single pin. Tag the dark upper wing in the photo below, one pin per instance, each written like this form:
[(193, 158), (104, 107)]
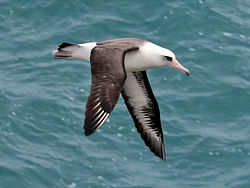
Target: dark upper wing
[(144, 110), (108, 77)]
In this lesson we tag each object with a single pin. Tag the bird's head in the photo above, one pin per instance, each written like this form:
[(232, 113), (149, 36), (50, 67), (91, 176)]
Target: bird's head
[(162, 57), (170, 60)]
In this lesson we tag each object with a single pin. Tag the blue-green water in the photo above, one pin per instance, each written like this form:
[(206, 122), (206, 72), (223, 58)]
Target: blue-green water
[(205, 117)]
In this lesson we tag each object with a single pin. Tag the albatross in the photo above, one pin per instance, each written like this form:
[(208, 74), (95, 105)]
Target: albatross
[(119, 66)]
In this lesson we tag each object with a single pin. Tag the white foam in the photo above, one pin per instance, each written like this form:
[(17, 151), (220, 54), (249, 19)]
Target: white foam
[(72, 185)]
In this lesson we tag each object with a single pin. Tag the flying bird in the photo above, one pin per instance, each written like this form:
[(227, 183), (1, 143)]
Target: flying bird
[(119, 66)]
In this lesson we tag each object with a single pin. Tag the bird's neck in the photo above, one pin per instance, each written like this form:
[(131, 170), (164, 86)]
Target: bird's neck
[(147, 57)]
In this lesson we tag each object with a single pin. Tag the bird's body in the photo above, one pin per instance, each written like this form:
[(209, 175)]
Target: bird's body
[(119, 66)]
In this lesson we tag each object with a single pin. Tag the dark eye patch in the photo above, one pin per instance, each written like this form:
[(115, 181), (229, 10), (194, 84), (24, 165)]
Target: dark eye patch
[(168, 58)]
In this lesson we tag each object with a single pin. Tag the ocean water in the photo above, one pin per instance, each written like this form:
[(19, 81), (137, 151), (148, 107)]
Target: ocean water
[(205, 117)]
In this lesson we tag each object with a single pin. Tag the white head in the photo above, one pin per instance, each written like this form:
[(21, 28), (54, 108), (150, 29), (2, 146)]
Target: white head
[(156, 56)]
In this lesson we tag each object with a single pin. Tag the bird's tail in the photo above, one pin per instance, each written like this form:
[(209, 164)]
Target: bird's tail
[(74, 51), (65, 50)]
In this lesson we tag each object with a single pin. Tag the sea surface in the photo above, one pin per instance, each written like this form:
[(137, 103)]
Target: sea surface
[(205, 117)]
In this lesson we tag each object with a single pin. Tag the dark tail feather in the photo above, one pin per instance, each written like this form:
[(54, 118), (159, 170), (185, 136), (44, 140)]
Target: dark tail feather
[(64, 50), (64, 45), (61, 54)]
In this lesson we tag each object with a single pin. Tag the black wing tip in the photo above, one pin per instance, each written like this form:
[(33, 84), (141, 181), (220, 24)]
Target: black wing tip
[(163, 157), (161, 154), (88, 132), (158, 149)]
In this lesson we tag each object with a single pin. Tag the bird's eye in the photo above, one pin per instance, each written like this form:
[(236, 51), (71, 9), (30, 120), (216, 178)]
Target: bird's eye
[(168, 58)]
